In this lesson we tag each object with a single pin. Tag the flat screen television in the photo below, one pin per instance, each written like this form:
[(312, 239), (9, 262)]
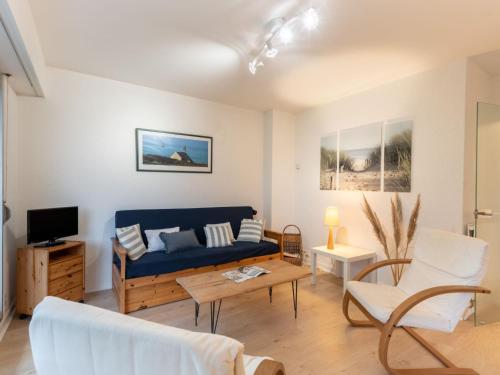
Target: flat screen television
[(51, 224)]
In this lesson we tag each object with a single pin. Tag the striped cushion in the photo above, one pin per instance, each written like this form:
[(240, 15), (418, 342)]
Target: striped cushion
[(251, 230), (217, 236), (130, 238), (229, 229)]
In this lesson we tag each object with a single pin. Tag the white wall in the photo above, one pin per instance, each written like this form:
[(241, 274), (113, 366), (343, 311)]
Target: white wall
[(78, 148), (279, 169), (435, 100)]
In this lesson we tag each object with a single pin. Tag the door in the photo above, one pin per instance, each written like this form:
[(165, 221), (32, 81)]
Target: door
[(3, 88), (487, 213)]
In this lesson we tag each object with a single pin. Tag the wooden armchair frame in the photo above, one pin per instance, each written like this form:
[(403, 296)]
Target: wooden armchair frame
[(387, 328), (270, 367)]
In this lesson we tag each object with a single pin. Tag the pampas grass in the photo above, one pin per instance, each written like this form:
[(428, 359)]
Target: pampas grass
[(410, 234), (397, 221), (401, 242), (378, 230)]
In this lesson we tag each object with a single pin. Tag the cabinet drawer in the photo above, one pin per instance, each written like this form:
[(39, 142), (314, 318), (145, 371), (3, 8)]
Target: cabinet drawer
[(59, 269), (66, 282), (73, 294)]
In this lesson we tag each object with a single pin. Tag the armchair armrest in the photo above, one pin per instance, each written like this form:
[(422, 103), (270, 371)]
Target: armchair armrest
[(275, 236), (270, 367), (119, 250), (383, 263)]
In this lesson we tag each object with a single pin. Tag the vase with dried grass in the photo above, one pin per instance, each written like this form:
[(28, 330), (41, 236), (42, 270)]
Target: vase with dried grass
[(402, 239)]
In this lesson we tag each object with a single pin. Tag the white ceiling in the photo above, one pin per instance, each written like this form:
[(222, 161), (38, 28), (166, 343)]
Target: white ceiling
[(201, 48)]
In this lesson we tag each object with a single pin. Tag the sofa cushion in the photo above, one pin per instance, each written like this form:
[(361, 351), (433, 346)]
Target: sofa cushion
[(185, 239), (131, 240), (218, 236), (185, 218), (153, 236), (159, 262), (251, 230), (229, 229)]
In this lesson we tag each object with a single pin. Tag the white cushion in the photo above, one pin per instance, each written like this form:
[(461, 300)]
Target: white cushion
[(441, 258), (445, 258), (420, 276), (154, 241), (454, 253), (381, 300)]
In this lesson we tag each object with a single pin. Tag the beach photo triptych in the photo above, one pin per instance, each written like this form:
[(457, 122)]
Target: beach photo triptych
[(374, 157)]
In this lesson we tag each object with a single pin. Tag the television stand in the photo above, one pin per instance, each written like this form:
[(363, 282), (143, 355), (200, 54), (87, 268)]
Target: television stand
[(49, 271), (50, 244)]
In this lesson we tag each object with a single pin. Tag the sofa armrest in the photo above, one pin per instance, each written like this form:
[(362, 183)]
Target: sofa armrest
[(275, 236), (119, 250), (270, 367)]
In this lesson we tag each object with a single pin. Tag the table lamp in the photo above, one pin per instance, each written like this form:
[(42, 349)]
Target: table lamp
[(331, 220)]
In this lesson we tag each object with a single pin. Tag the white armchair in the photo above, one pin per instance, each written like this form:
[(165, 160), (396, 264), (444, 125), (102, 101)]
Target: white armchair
[(69, 338), (433, 293)]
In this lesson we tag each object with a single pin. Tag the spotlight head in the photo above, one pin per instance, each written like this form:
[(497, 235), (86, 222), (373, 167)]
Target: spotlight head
[(286, 34), (271, 52), (253, 65), (310, 19)]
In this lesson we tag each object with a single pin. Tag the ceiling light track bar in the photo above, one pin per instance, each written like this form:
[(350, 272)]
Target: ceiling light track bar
[(282, 29)]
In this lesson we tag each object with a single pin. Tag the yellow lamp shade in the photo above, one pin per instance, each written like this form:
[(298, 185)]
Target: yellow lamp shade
[(332, 216)]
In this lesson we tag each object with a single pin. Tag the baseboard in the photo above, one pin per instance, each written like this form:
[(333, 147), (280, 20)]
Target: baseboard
[(4, 324)]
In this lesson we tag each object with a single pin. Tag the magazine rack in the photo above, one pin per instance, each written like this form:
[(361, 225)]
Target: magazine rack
[(292, 245)]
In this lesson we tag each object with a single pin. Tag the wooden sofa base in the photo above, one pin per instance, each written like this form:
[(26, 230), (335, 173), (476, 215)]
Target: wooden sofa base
[(148, 291)]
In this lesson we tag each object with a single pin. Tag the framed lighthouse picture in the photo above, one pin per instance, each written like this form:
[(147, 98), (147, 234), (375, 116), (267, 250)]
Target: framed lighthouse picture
[(161, 151)]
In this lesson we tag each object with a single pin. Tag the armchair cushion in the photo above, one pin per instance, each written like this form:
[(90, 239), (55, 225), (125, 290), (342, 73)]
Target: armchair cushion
[(453, 253), (440, 259), (381, 300), (445, 258)]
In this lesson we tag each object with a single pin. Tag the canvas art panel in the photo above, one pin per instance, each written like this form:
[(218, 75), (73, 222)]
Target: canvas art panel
[(360, 158), (397, 156), (372, 157), (328, 163), (161, 151)]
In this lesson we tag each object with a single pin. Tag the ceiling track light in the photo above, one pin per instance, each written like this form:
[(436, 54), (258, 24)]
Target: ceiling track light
[(283, 32)]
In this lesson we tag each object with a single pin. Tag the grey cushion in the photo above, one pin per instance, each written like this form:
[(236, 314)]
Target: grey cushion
[(185, 239)]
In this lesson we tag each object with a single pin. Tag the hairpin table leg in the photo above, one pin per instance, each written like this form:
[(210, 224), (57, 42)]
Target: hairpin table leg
[(214, 318), (295, 291), (196, 313)]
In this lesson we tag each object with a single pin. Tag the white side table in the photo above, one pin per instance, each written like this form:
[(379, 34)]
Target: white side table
[(345, 254)]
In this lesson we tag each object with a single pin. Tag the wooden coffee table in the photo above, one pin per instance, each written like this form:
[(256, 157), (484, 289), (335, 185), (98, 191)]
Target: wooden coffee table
[(212, 286)]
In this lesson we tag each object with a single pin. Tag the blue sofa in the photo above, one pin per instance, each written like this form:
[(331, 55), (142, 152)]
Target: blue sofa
[(150, 281)]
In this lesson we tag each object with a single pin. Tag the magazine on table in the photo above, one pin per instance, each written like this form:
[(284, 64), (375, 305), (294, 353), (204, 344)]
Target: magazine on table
[(245, 273)]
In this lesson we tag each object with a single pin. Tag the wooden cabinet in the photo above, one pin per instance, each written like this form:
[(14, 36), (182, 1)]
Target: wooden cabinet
[(50, 271)]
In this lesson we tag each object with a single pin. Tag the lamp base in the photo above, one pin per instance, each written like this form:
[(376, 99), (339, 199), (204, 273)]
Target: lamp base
[(330, 245)]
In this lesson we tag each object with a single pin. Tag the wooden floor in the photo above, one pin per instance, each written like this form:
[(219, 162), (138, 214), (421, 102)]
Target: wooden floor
[(319, 342)]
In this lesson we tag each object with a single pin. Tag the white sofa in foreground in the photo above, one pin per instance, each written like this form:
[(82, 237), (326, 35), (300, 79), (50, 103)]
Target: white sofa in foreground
[(69, 338)]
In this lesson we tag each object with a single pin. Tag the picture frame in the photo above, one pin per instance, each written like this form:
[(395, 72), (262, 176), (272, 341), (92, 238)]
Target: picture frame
[(164, 151)]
